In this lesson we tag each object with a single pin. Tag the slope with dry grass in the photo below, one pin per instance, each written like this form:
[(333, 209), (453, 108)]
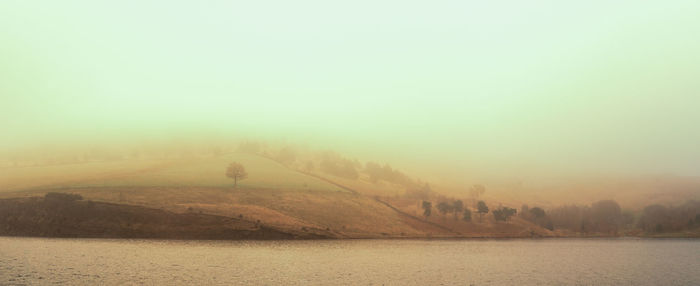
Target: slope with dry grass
[(274, 195)]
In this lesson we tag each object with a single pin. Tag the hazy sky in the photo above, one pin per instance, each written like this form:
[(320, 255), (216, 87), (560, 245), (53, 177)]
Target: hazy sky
[(610, 86)]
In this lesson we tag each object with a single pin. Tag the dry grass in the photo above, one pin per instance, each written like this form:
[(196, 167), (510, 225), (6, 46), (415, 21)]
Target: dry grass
[(22, 178), (198, 172), (275, 195), (485, 227)]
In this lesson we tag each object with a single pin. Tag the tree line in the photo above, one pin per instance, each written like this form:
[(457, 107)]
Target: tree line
[(457, 208), (607, 217)]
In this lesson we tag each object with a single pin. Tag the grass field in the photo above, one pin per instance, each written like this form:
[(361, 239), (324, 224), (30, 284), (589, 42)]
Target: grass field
[(196, 172), (272, 193)]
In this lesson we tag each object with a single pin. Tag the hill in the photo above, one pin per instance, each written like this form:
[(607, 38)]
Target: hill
[(60, 215), (274, 195)]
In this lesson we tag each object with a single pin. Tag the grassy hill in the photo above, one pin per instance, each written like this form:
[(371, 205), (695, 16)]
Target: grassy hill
[(273, 194), (192, 172), (63, 215)]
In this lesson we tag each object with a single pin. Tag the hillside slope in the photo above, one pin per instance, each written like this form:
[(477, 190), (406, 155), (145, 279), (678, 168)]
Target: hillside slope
[(273, 195), (61, 217)]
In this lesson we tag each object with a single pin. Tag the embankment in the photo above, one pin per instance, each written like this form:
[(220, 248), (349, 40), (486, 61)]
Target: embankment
[(69, 217)]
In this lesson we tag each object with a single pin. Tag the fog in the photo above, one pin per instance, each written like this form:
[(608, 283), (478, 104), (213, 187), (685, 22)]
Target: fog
[(447, 90)]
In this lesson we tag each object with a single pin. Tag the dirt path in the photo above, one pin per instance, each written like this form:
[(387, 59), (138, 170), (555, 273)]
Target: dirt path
[(407, 215), (398, 211)]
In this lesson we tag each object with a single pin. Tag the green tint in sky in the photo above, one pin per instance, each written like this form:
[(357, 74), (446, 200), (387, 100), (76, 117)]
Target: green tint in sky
[(593, 85)]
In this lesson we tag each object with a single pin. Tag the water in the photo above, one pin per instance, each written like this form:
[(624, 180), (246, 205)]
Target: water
[(357, 262)]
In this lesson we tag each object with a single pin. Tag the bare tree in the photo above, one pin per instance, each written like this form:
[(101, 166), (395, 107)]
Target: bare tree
[(236, 171), (286, 156)]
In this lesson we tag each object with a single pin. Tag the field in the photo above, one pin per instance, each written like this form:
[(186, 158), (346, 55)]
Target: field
[(273, 194), (192, 172)]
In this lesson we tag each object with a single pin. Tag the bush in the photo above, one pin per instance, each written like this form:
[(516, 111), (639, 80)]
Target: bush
[(336, 165)]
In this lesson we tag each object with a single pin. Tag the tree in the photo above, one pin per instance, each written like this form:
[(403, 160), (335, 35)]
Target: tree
[(374, 171), (236, 171), (427, 209), (378, 173), (467, 216), (286, 156), (572, 217), (658, 218), (537, 216), (537, 212), (457, 207), (654, 217), (504, 213), (525, 212), (336, 165), (444, 208), (482, 209), (606, 216), (422, 193)]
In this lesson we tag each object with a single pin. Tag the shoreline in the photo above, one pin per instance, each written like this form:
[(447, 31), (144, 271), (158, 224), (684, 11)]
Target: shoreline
[(370, 238), (66, 218)]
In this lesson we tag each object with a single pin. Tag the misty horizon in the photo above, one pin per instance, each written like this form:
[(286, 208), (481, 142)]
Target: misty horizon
[(500, 95), (357, 142)]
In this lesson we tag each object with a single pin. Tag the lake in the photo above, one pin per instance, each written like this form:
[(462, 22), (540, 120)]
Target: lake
[(356, 262)]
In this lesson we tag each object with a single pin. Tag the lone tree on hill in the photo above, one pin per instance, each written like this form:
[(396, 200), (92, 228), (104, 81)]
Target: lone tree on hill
[(482, 209), (236, 171)]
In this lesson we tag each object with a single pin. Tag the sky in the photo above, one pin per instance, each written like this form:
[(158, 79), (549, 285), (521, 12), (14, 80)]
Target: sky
[(492, 86)]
